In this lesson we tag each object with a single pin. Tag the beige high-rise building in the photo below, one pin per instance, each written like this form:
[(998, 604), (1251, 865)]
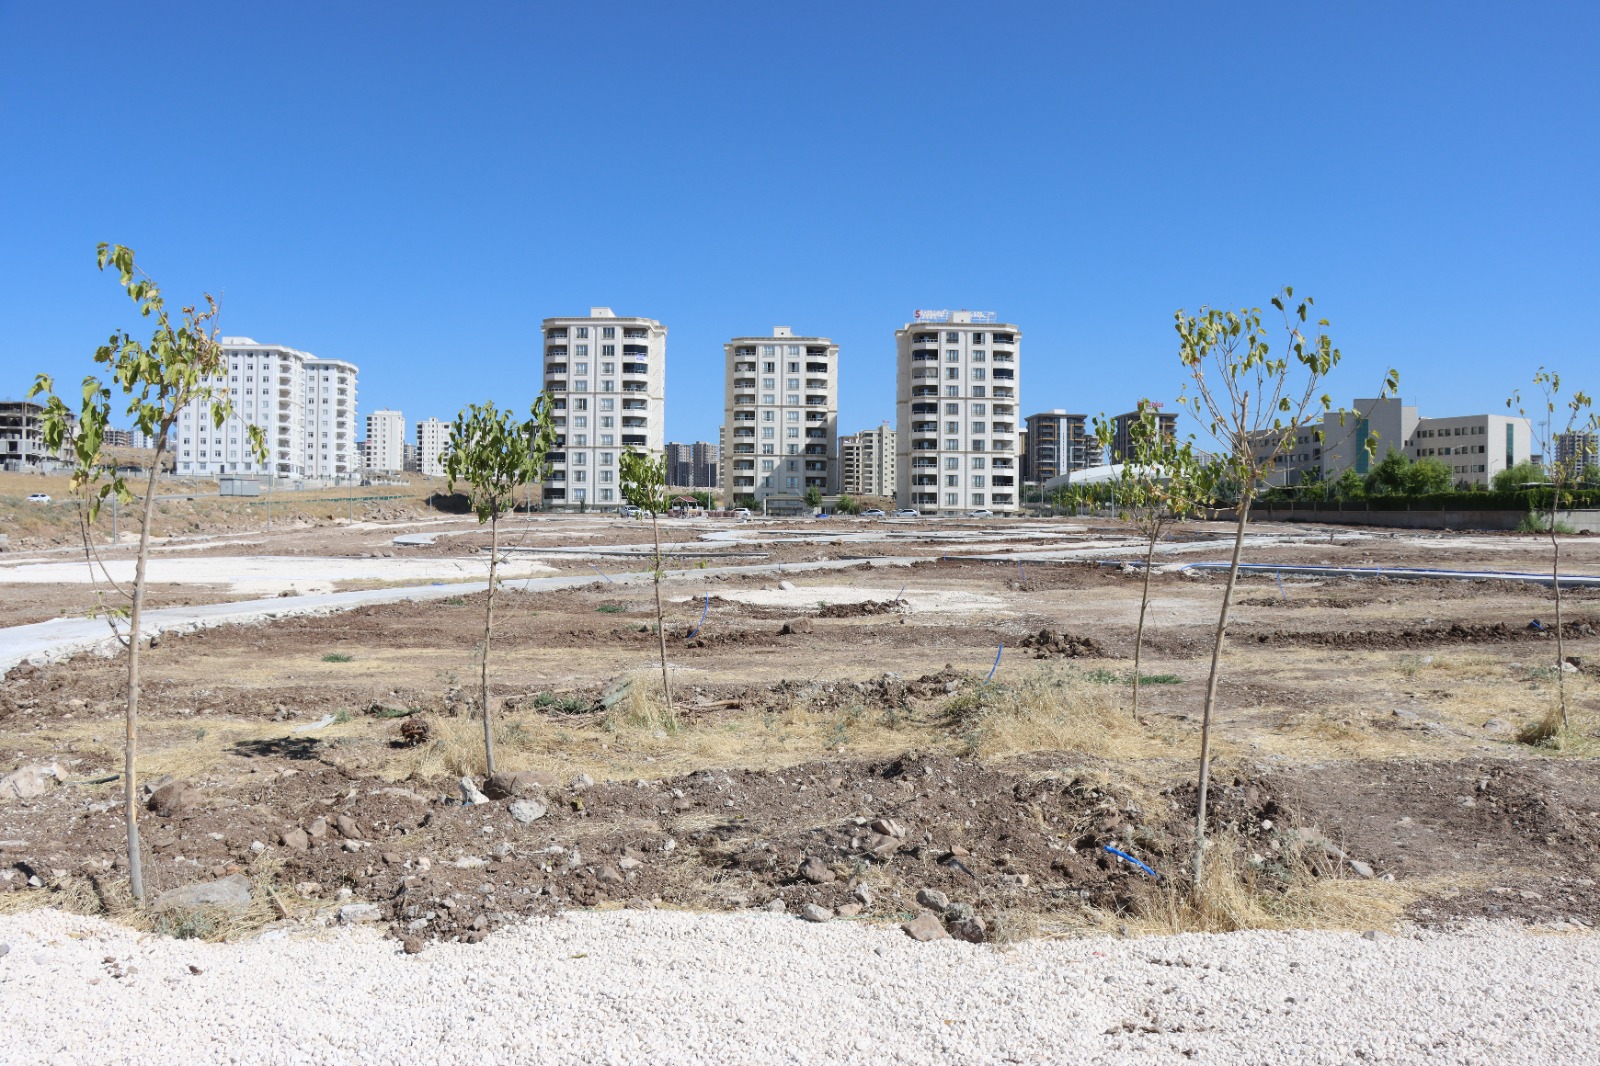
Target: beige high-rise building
[(781, 402), (386, 442), (433, 438), (957, 401), (608, 379), (867, 462)]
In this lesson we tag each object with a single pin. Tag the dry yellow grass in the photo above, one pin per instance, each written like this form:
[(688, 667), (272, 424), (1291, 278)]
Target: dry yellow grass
[(1053, 710)]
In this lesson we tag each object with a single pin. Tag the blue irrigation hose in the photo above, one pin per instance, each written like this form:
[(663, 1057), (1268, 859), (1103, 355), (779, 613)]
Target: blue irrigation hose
[(702, 621), (1023, 572), (996, 666), (898, 596), (599, 571), (1129, 858)]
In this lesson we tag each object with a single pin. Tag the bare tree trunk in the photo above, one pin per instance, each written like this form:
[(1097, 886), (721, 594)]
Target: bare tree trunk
[(130, 776), (1555, 579), (488, 627), (1138, 634), (1211, 690), (661, 629)]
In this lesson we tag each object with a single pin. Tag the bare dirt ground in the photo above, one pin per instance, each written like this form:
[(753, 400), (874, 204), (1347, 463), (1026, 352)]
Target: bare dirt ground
[(1376, 742)]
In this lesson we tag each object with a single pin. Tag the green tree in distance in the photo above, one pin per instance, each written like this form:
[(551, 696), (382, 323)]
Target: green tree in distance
[(495, 456), (1254, 402), (644, 484), (182, 364)]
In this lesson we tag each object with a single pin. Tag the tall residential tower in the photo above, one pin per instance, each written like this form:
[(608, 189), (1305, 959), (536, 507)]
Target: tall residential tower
[(781, 402), (957, 401), (608, 378)]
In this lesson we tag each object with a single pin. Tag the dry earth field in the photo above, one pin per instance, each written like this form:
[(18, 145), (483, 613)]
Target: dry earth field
[(1377, 747)]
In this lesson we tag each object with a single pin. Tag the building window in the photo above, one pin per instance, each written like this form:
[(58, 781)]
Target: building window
[(952, 499)]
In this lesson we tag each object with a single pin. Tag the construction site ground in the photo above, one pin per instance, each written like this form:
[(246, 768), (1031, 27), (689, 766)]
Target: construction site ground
[(947, 706)]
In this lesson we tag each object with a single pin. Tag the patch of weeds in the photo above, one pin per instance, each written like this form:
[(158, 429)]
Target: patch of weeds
[(561, 703), (1100, 676), (454, 601), (392, 712), (200, 734), (185, 924), (338, 657), (610, 608), (341, 716)]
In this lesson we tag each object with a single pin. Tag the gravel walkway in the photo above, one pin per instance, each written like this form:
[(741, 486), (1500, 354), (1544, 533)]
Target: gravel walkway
[(660, 987)]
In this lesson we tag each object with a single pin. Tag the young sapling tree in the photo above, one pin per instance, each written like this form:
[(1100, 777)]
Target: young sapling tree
[(1569, 449), (1161, 482), (181, 366), (495, 456), (644, 485), (1255, 402)]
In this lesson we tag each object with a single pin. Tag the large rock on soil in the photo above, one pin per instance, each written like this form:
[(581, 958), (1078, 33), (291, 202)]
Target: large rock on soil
[(174, 797), (515, 784), (229, 893), (30, 781)]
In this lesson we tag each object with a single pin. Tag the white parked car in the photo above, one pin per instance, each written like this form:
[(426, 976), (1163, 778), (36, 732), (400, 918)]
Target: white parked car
[(981, 512), (873, 512), (39, 497), (742, 513), (908, 512)]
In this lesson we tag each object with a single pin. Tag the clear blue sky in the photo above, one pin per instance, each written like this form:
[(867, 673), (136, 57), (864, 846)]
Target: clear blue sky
[(413, 187)]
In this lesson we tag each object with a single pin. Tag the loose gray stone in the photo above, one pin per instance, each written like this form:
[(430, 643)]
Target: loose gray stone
[(863, 893), (348, 827), (470, 794), (174, 797), (351, 913), (30, 781), (958, 912), (1361, 869), (972, 930), (776, 906), (527, 810), (295, 839), (515, 784), (816, 871), (228, 893), (811, 912), (934, 900)]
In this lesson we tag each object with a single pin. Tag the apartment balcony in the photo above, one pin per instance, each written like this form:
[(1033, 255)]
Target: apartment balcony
[(635, 334), (924, 390), (997, 480), (744, 399), (1006, 409), (816, 416), (928, 356), (635, 423), (635, 405), (744, 449), (744, 482), (555, 495), (924, 463), (1002, 357), (1003, 499), (816, 467), (925, 427), (816, 352), (633, 440), (1002, 392), (926, 499), (816, 401), (1005, 375), (744, 383), (925, 338), (816, 368), (1004, 338), (744, 368), (557, 369), (635, 368), (555, 386), (816, 449), (634, 386), (1005, 427), (924, 445), (635, 351), (743, 432), (744, 416), (744, 464), (557, 457), (816, 482), (557, 475), (929, 480), (816, 383), (746, 353), (928, 374)]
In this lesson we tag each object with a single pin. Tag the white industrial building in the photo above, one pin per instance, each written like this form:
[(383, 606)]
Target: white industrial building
[(306, 406), (433, 439), (957, 402), (781, 400), (607, 380), (386, 442)]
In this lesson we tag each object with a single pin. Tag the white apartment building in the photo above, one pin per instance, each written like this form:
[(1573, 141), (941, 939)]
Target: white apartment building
[(957, 402), (305, 405), (607, 377), (433, 439), (781, 398), (867, 462), (386, 442)]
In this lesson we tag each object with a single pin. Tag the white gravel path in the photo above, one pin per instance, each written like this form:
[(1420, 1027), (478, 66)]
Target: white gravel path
[(643, 987)]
